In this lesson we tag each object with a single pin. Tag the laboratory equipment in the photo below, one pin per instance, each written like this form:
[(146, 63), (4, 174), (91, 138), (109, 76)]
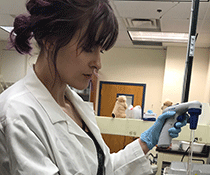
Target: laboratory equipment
[(197, 147), (194, 110), (149, 116), (190, 49), (180, 168), (167, 156)]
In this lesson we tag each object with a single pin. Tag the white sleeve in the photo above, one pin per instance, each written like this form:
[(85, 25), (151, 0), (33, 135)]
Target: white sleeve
[(131, 160), (4, 160), (27, 155)]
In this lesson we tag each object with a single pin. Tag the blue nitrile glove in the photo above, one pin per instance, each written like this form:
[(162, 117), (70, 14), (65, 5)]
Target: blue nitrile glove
[(174, 131), (151, 136)]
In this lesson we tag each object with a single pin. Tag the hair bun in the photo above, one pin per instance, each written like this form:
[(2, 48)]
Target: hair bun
[(22, 22), (21, 34)]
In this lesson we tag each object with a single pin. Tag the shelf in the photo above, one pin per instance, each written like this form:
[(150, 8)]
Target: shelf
[(134, 128)]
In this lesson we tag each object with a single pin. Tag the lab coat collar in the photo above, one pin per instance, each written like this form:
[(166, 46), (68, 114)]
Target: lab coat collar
[(43, 96), (46, 100), (54, 111), (56, 114)]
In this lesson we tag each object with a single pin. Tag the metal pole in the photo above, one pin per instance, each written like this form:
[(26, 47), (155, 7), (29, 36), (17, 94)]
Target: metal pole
[(190, 50)]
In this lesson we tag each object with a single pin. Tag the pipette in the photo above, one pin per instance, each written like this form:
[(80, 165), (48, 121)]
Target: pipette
[(194, 110)]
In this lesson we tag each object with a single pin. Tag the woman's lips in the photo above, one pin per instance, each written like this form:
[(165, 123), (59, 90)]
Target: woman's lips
[(89, 76)]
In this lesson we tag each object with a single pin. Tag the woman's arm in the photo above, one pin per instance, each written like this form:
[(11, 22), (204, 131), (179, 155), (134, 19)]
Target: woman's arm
[(25, 152), (131, 160), (143, 146)]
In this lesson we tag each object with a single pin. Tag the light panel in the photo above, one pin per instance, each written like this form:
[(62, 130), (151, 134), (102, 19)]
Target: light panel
[(159, 36), (7, 28)]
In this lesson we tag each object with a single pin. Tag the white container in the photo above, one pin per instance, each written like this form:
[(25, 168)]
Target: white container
[(133, 112), (197, 147), (137, 112), (175, 145), (148, 115)]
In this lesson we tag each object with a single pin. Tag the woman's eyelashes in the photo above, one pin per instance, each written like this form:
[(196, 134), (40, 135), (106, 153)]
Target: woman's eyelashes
[(102, 51), (91, 50)]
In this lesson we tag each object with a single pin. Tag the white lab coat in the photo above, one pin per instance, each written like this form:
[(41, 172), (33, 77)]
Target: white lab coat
[(38, 138)]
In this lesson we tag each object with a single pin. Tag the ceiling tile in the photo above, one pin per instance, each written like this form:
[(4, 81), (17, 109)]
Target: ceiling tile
[(174, 25)]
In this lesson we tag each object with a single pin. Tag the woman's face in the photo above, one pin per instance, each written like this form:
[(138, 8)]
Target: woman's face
[(76, 68)]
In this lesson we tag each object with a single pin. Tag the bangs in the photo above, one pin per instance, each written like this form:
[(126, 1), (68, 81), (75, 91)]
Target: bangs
[(102, 29)]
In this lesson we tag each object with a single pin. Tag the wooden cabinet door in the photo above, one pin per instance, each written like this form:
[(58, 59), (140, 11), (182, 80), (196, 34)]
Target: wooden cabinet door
[(109, 91), (117, 142)]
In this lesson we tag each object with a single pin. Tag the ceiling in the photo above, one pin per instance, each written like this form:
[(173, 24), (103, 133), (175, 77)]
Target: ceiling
[(172, 17)]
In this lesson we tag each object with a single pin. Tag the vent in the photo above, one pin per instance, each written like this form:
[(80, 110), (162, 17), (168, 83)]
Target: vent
[(142, 24)]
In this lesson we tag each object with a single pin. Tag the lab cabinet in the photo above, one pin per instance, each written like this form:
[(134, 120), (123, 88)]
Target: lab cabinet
[(117, 142), (122, 126), (118, 132), (134, 128)]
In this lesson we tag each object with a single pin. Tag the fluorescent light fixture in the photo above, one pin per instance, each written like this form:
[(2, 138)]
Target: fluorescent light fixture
[(159, 36), (7, 28)]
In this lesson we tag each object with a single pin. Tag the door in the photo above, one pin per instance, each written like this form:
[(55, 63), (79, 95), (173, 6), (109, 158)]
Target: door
[(109, 91)]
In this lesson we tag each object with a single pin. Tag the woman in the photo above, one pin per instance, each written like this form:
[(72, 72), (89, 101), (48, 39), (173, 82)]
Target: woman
[(46, 128)]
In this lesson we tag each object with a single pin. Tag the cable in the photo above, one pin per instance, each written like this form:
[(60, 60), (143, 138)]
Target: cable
[(185, 153), (168, 10)]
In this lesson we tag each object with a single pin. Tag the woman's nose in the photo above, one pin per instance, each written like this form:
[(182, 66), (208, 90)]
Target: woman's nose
[(97, 60), (98, 63)]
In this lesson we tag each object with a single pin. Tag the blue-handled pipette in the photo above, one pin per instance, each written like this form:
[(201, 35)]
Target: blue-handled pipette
[(192, 108)]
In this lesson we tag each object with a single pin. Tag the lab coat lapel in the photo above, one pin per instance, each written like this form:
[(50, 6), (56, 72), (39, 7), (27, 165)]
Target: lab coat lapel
[(45, 99), (56, 114), (87, 114)]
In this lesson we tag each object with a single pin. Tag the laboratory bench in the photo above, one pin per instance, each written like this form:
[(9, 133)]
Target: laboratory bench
[(129, 129), (166, 156)]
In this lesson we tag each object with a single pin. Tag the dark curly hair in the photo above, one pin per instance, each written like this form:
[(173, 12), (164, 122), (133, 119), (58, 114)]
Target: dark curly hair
[(56, 21)]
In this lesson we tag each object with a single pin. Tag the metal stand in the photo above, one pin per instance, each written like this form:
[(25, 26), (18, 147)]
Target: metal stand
[(190, 50)]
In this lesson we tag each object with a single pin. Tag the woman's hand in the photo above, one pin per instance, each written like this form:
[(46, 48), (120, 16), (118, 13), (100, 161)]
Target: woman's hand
[(151, 136)]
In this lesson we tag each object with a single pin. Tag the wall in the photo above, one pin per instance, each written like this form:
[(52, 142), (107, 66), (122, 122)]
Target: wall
[(161, 70), (136, 66), (207, 89), (174, 75), (12, 64)]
